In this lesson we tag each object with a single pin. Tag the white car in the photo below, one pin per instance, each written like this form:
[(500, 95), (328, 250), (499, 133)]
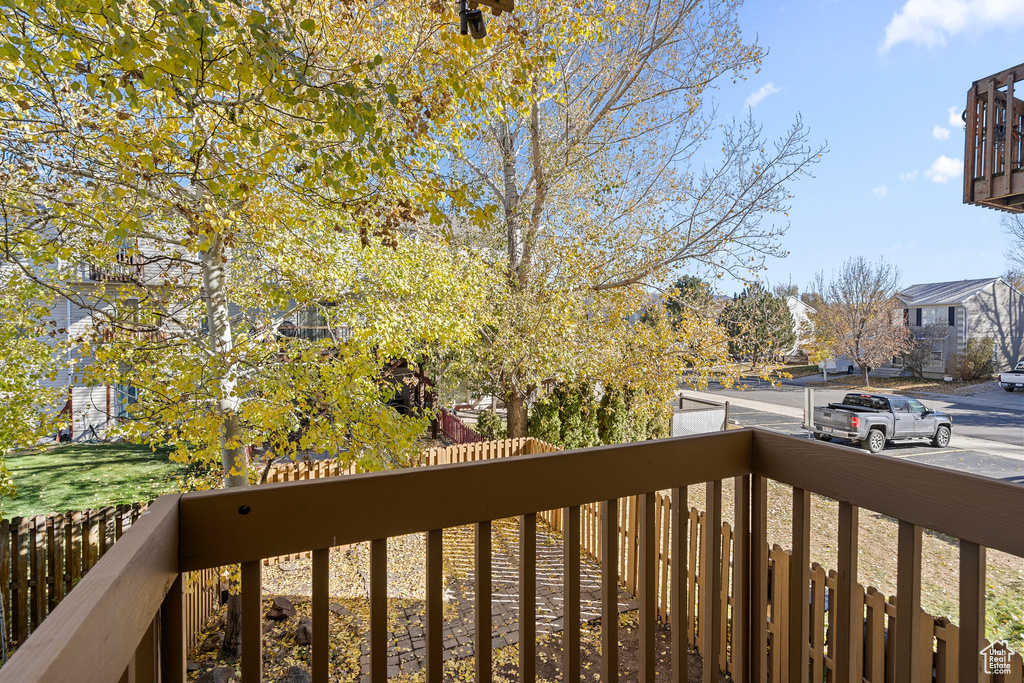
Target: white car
[(1012, 379)]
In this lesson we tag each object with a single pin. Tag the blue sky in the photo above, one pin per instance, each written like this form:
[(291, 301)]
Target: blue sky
[(877, 80)]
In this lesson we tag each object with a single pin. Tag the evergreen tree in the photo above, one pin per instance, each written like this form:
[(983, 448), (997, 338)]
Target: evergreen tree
[(545, 423), (759, 324)]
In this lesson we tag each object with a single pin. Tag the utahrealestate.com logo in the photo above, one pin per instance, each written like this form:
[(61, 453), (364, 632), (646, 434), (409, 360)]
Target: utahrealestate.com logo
[(997, 658)]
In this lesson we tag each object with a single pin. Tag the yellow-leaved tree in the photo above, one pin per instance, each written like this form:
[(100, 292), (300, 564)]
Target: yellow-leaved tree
[(216, 184), (590, 186)]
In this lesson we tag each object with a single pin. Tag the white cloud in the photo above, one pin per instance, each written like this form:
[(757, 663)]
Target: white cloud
[(940, 133), (881, 191), (909, 176), (929, 22), (955, 117), (944, 169), (765, 90)]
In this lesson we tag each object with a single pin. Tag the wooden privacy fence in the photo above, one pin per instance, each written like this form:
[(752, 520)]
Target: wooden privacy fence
[(43, 557)]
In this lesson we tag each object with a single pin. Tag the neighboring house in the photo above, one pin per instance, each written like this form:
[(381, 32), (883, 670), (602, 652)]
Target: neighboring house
[(969, 309), (803, 329), (93, 410)]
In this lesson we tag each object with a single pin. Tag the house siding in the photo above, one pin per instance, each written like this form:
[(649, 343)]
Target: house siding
[(998, 312)]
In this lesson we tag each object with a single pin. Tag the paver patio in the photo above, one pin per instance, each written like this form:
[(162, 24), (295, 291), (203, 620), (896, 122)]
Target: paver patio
[(407, 638)]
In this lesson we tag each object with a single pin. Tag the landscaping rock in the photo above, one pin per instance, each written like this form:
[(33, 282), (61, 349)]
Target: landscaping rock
[(191, 665), (304, 634), (282, 609), (212, 642), (295, 674), (221, 674)]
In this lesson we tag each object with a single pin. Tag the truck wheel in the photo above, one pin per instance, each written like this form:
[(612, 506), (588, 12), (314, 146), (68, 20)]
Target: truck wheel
[(822, 437), (1008, 388), (941, 438), (875, 441)]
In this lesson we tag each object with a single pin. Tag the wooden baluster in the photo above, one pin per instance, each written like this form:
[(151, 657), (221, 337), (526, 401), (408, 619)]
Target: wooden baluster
[(664, 544), (610, 591), (1008, 146), (799, 587), (321, 590), (711, 581), (741, 580), (482, 632), (677, 586), (527, 597), (147, 656), (379, 610), (723, 598), (908, 592), (971, 144), (758, 613), (571, 594), (252, 618), (849, 602), (648, 587), (172, 633), (435, 606), (692, 598), (972, 610), (990, 147)]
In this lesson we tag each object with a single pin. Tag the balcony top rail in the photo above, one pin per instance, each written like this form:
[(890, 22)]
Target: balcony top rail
[(130, 595)]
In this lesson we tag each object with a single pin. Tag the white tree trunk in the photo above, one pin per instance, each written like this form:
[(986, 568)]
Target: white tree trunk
[(233, 455)]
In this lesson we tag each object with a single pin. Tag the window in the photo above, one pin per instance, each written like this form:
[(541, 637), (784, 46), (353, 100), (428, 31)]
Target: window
[(865, 401), (918, 322), (916, 407), (900, 405), (126, 396), (952, 316), (936, 353), (906, 317)]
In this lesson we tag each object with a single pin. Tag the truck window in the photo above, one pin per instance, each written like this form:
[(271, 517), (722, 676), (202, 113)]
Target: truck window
[(900, 405), (866, 401), (916, 407)]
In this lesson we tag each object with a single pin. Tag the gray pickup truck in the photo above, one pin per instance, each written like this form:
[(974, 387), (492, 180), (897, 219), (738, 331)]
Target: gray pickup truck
[(872, 420)]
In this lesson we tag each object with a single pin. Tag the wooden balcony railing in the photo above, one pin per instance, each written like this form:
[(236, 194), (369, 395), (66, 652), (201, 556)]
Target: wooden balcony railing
[(994, 154), (124, 621), (128, 268)]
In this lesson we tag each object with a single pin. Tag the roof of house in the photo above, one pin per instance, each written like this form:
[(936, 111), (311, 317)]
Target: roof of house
[(937, 293)]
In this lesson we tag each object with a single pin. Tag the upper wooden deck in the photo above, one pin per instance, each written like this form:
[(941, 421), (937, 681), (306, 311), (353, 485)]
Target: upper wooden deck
[(994, 152)]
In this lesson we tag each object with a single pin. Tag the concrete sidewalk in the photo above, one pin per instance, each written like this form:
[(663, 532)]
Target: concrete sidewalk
[(958, 441)]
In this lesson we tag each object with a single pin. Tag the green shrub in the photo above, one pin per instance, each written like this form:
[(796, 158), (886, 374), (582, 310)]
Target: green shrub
[(490, 426), (975, 361), (611, 416), (544, 422)]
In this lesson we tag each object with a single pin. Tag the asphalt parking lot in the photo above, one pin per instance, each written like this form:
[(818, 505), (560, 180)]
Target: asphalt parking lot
[(975, 462)]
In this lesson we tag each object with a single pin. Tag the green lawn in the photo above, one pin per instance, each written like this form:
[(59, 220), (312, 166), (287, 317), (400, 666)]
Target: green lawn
[(81, 476)]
